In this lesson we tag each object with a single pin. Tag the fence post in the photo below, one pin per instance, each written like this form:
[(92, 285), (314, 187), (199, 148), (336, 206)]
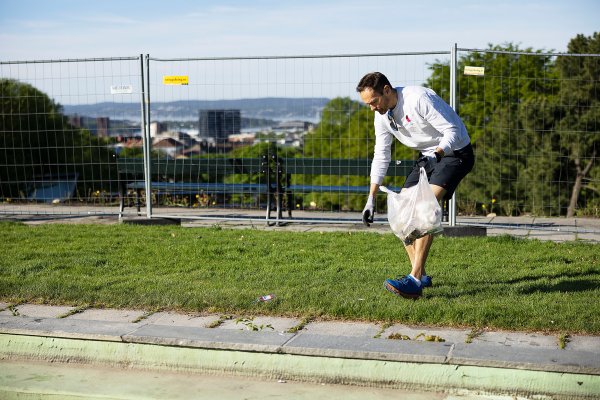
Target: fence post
[(453, 85), (146, 137)]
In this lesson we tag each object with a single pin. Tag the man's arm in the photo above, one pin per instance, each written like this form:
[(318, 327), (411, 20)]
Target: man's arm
[(374, 189), (379, 165), (445, 120)]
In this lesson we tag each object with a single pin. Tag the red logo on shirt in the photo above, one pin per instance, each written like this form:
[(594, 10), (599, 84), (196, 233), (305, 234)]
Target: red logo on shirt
[(407, 119)]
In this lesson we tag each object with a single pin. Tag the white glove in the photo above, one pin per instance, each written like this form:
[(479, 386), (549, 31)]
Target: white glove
[(369, 211), (432, 159)]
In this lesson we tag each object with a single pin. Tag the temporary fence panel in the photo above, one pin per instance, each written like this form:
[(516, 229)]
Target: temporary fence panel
[(235, 137), (287, 110), (63, 123), (534, 120)]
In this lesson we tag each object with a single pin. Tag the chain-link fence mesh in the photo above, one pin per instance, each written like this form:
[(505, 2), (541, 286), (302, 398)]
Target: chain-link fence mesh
[(291, 112), (535, 122), (62, 123), (287, 134)]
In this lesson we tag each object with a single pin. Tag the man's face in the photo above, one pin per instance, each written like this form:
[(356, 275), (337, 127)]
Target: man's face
[(380, 102)]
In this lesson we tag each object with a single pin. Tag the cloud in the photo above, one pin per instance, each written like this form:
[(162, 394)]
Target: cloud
[(39, 25), (108, 19)]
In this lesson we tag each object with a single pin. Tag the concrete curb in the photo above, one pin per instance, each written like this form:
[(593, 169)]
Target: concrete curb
[(310, 344), (305, 356), (394, 374)]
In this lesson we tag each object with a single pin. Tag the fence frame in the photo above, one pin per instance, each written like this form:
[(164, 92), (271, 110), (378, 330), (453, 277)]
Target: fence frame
[(277, 220), (139, 57), (145, 112), (455, 105)]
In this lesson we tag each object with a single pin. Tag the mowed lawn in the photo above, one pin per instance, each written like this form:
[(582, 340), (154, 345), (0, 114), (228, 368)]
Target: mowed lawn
[(500, 282)]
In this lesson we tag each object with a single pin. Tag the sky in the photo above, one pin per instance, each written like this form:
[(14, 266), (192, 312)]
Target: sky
[(58, 29)]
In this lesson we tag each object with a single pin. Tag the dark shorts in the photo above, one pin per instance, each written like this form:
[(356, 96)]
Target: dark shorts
[(447, 173)]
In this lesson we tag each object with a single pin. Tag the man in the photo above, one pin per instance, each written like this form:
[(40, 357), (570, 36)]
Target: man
[(421, 120)]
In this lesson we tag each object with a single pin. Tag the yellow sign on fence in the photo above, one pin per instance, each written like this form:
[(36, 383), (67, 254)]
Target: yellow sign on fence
[(175, 80), (476, 71)]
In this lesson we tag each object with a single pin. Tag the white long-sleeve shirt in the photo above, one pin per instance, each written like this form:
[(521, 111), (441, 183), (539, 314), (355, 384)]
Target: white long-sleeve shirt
[(425, 122)]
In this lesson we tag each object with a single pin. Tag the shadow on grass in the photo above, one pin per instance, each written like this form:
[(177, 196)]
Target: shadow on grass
[(577, 285), (567, 283), (558, 275)]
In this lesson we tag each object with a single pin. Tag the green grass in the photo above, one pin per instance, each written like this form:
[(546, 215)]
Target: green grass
[(501, 282)]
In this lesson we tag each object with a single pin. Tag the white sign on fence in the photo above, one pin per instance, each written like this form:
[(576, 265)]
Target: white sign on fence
[(121, 89)]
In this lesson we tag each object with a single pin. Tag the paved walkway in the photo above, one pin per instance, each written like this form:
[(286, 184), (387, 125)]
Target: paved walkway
[(107, 383), (557, 229), (397, 356), (554, 229)]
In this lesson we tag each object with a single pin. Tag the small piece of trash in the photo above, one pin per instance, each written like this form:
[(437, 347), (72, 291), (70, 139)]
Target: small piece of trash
[(267, 297)]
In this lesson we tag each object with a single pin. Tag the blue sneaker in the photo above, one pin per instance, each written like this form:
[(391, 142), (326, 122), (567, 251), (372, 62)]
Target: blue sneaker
[(405, 287), (426, 281)]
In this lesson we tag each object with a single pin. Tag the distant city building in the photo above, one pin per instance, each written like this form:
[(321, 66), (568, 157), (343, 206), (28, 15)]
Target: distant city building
[(99, 126), (219, 124), (156, 128), (76, 121), (102, 126), (168, 146), (182, 137), (247, 138), (294, 126), (105, 127)]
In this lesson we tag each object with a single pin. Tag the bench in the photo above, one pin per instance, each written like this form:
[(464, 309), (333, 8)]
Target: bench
[(291, 167), (197, 176), (275, 178)]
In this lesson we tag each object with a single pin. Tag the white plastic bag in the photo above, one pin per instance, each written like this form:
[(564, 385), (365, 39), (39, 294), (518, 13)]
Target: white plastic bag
[(414, 212)]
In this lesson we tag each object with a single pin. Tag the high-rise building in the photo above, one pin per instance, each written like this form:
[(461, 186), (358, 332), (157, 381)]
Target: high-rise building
[(219, 124)]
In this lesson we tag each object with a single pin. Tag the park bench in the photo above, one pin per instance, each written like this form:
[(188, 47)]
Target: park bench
[(185, 177), (290, 167), (197, 176)]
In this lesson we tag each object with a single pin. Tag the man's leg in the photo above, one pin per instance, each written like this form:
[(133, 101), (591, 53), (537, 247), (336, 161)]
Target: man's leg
[(419, 249), (447, 173), (417, 252)]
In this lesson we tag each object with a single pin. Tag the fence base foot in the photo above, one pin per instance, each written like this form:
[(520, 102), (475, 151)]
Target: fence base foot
[(276, 223), (461, 231)]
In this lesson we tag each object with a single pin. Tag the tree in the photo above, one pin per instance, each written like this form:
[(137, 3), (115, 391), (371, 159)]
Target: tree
[(580, 109), (37, 141), (327, 139), (510, 114)]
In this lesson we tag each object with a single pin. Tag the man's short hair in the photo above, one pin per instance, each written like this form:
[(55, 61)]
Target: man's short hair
[(373, 80)]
